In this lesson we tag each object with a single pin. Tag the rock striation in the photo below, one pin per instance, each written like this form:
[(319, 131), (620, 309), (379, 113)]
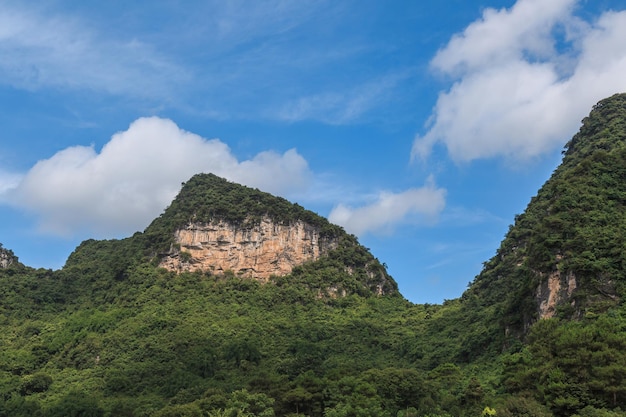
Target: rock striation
[(260, 251)]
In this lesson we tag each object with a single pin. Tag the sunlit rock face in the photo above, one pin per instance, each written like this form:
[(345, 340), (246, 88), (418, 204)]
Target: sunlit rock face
[(256, 252), (557, 289)]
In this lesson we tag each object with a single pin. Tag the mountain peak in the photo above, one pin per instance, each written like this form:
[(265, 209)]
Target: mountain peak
[(604, 129), (217, 226), (221, 228), (207, 198)]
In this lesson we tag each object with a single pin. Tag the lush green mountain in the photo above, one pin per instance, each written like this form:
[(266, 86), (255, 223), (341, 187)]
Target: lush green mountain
[(549, 304), (150, 326), (565, 256), (347, 267)]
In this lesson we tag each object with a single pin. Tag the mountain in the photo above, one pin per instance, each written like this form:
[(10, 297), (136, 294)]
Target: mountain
[(237, 303), (565, 255), (232, 295), (220, 227)]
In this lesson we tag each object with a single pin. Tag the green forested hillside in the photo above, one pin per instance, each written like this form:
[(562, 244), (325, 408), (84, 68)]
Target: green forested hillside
[(575, 226), (155, 343), (111, 334)]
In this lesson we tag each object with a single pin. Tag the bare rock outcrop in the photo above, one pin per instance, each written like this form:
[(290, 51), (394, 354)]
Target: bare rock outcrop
[(257, 252), (6, 258), (557, 289)]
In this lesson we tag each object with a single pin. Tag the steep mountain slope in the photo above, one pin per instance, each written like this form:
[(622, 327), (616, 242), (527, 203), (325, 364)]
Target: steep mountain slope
[(547, 312), (7, 257), (565, 255)]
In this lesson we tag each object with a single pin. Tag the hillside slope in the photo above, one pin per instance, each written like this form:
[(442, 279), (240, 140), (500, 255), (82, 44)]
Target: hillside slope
[(565, 255)]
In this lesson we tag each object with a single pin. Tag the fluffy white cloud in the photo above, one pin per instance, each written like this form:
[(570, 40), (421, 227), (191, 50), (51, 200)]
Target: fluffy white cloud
[(523, 80), (136, 174), (390, 210)]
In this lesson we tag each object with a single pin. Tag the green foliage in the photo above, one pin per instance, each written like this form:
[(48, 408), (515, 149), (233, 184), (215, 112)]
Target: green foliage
[(155, 343), (38, 382), (76, 404), (113, 335), (522, 406), (572, 229), (590, 411), (572, 365)]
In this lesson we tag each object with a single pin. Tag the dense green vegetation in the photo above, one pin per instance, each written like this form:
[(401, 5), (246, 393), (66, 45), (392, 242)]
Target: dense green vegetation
[(161, 344), (573, 227), (156, 343), (111, 334)]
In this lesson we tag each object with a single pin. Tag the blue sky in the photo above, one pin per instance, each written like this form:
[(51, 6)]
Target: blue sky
[(421, 128)]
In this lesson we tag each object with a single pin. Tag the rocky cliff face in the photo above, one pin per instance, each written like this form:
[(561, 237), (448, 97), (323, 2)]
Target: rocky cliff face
[(6, 258), (257, 252), (556, 290)]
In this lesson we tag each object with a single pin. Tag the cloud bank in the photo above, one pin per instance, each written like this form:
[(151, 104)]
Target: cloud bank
[(120, 189), (415, 205), (523, 78)]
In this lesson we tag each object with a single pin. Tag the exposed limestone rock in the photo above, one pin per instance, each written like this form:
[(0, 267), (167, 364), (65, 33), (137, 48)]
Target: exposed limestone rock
[(258, 252), (554, 291), (6, 258)]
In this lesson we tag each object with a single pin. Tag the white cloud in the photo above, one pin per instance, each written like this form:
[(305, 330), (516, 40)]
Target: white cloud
[(136, 174), (343, 105), (390, 210), (8, 181), (44, 49), (517, 91), (504, 36)]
